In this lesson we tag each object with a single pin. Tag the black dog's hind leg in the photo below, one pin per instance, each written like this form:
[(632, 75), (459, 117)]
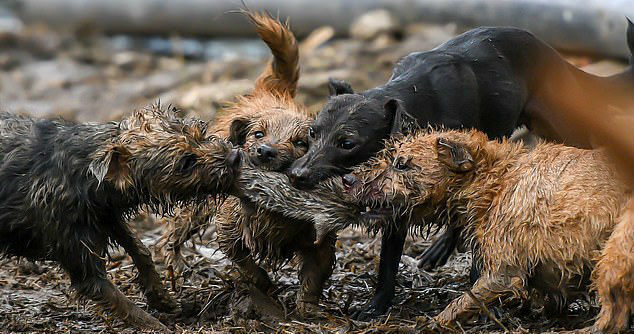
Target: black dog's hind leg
[(391, 250), (149, 279), (439, 252), (88, 277)]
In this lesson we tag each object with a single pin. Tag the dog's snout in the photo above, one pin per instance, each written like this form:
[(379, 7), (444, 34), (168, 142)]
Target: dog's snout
[(299, 176), (267, 152), (233, 158)]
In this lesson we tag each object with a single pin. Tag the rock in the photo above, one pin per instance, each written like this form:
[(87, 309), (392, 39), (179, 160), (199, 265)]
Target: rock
[(130, 60), (374, 23), (218, 92), (605, 67), (316, 38), (9, 23)]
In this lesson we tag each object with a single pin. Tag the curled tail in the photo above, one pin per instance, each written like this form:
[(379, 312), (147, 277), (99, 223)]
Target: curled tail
[(282, 72)]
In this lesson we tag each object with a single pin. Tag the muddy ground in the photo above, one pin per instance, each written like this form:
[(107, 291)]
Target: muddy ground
[(87, 76)]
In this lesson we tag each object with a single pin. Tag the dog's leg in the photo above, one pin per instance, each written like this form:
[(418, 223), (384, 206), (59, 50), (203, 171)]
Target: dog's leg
[(391, 250), (439, 252), (191, 221), (157, 296), (614, 277), (88, 277), (486, 290), (230, 229), (317, 264), (241, 256)]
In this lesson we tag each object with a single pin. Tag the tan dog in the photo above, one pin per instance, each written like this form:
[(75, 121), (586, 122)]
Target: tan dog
[(539, 219), (272, 128)]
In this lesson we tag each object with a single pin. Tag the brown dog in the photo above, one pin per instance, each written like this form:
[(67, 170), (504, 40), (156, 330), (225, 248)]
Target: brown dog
[(539, 219), (272, 129)]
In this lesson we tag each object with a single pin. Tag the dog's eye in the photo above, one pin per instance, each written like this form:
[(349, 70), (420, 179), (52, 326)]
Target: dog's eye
[(188, 163), (258, 134), (401, 164), (311, 132), (347, 144), (300, 143)]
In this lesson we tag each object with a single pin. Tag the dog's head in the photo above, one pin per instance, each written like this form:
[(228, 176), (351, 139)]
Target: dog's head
[(349, 130), (163, 159), (274, 136), (268, 123), (414, 173)]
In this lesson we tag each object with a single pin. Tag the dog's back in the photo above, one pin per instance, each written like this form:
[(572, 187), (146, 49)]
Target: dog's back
[(14, 131), (555, 207)]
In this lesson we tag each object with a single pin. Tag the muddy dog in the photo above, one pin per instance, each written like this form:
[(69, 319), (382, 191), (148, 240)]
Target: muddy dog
[(539, 219), (68, 189), (491, 79), (272, 129)]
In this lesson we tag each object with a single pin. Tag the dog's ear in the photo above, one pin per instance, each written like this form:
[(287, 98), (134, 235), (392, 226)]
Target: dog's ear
[(402, 122), (111, 164), (238, 131), (455, 155), (338, 87)]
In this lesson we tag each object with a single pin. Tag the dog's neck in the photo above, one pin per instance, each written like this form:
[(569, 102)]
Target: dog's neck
[(470, 203)]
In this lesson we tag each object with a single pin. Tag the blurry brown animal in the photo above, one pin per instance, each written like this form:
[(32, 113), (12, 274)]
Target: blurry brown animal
[(68, 189), (272, 129), (539, 219)]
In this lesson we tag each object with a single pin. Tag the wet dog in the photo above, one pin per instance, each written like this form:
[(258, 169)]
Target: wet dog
[(491, 79), (68, 189), (540, 219), (272, 129)]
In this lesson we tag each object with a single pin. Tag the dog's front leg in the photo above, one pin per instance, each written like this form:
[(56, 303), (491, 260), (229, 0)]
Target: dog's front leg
[(392, 242), (157, 296), (486, 290), (439, 252)]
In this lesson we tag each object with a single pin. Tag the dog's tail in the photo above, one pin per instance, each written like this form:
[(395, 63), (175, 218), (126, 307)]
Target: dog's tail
[(630, 41), (282, 72)]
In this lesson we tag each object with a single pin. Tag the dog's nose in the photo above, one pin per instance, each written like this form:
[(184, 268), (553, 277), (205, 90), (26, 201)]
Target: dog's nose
[(233, 158), (349, 180), (267, 152), (298, 176)]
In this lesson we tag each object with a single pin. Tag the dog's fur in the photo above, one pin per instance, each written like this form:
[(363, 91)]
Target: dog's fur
[(68, 188), (272, 129), (491, 79), (539, 219)]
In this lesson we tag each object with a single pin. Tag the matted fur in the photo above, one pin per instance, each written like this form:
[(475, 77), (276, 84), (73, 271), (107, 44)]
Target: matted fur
[(268, 118), (68, 189), (538, 219)]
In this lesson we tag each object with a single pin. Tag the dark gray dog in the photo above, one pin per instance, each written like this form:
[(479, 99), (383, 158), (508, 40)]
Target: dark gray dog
[(67, 189)]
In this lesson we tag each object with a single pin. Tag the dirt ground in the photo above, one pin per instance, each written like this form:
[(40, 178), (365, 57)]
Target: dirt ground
[(87, 76)]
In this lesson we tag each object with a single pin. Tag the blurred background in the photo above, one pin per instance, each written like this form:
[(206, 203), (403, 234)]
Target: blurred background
[(94, 60)]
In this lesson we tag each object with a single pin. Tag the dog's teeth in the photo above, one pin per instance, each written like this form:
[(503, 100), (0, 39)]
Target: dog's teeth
[(367, 209)]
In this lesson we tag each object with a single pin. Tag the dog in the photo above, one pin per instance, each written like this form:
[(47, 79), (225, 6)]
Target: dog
[(272, 129), (68, 189), (538, 219), (491, 79)]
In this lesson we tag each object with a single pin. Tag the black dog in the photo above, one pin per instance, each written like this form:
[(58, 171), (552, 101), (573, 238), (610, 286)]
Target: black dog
[(491, 79)]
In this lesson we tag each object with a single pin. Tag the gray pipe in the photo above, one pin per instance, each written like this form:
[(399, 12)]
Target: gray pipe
[(594, 26)]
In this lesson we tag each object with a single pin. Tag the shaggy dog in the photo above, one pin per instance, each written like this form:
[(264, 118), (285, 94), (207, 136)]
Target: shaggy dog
[(273, 131), (68, 189), (541, 219)]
